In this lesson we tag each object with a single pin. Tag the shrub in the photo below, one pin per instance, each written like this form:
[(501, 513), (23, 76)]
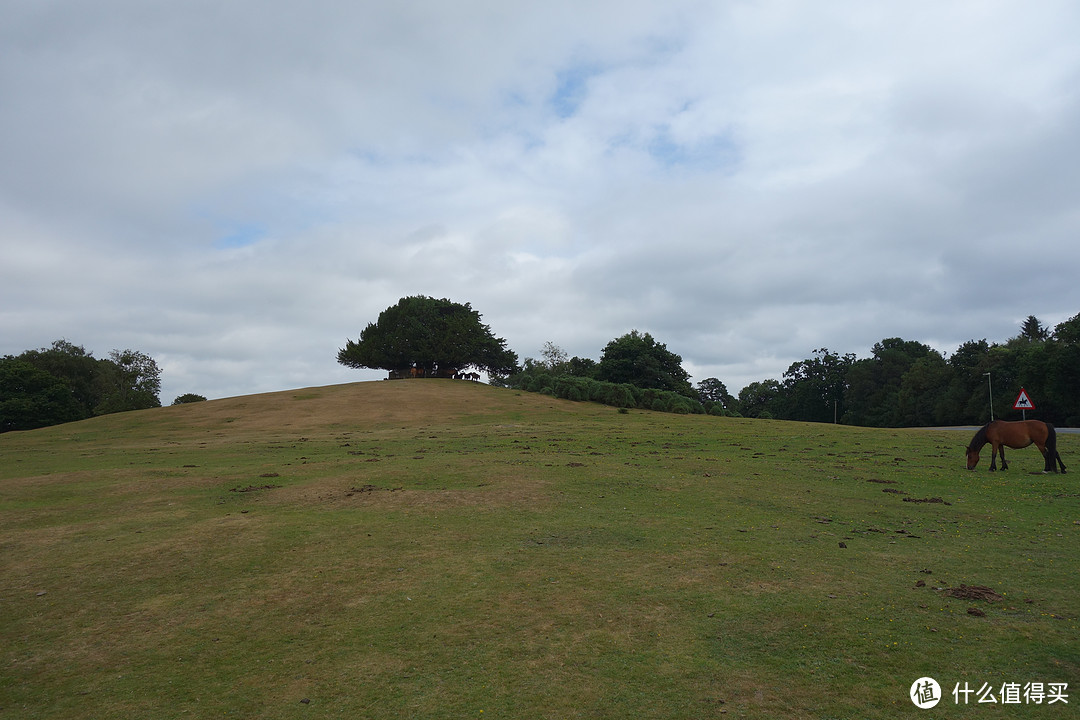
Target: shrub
[(538, 379), (617, 395)]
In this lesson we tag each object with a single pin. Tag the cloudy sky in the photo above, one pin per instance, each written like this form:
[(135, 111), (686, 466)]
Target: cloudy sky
[(236, 187)]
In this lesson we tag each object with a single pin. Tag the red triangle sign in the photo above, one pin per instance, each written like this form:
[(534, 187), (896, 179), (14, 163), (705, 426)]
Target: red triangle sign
[(1023, 402)]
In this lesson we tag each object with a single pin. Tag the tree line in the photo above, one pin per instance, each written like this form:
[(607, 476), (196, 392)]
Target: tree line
[(905, 383), (64, 382)]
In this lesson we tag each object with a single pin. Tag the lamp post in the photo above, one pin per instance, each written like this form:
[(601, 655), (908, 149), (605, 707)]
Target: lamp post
[(990, 385)]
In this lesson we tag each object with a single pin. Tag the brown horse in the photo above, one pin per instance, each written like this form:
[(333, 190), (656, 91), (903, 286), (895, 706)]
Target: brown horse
[(1020, 434)]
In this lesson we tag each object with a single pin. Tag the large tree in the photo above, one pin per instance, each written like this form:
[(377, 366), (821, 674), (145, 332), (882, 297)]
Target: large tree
[(638, 359), (31, 397), (873, 384), (429, 338), (711, 391), (76, 367), (813, 389), (1033, 331), (759, 399), (131, 380)]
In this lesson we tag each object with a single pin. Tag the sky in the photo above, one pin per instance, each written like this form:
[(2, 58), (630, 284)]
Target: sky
[(237, 188)]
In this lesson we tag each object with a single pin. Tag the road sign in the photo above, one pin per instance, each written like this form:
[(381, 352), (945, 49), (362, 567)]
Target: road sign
[(1023, 402)]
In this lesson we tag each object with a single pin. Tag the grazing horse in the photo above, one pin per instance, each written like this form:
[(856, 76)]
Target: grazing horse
[(1020, 434)]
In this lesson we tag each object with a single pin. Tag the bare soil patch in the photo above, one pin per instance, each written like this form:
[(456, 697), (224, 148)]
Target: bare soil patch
[(973, 592), (927, 500)]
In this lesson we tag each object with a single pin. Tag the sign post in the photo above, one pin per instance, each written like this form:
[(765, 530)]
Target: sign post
[(1023, 402)]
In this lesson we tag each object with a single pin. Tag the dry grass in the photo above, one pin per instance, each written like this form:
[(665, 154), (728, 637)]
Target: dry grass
[(446, 549)]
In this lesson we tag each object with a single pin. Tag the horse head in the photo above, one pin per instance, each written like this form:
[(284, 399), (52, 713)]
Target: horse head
[(972, 458)]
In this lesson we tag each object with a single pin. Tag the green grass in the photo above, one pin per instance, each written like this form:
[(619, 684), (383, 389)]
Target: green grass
[(441, 549)]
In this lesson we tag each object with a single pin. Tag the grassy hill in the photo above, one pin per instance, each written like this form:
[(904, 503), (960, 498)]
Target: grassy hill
[(443, 549)]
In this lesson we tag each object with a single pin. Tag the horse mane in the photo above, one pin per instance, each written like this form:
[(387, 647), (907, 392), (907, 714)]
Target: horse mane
[(980, 438)]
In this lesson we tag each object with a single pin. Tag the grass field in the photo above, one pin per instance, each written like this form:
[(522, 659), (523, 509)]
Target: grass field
[(441, 549)]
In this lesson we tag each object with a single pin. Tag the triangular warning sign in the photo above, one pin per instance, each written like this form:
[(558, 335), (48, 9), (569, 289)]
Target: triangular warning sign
[(1023, 402)]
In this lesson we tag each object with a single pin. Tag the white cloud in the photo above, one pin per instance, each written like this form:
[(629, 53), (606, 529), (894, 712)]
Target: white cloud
[(236, 189)]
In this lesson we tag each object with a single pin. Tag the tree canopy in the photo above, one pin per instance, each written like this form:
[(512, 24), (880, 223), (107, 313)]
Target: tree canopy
[(425, 337), (639, 360), (713, 390), (32, 398), (64, 382)]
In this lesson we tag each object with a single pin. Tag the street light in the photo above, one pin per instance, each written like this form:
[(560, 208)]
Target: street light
[(991, 386)]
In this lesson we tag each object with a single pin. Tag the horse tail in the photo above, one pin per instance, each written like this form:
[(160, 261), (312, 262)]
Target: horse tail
[(1051, 448)]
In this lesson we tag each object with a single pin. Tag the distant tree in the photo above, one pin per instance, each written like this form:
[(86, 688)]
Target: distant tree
[(1063, 372), (814, 389), (31, 397), (1033, 331), (921, 399), (970, 357), (78, 368), (874, 383), (131, 380), (126, 380), (907, 383), (554, 356), (581, 367), (1043, 364), (964, 400), (431, 338), (1068, 331), (712, 391), (639, 360), (188, 398), (757, 400)]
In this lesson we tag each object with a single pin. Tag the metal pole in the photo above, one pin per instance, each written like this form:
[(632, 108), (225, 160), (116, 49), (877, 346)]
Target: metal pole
[(990, 384)]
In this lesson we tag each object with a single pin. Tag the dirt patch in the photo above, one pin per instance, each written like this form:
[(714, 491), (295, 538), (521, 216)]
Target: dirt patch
[(253, 488), (927, 500), (496, 489), (973, 592), (369, 489)]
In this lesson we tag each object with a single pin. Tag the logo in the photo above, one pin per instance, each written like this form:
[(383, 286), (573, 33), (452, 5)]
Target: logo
[(925, 693)]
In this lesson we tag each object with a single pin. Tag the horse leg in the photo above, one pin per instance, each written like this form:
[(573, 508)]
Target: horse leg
[(993, 457), (1004, 465), (1048, 457)]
